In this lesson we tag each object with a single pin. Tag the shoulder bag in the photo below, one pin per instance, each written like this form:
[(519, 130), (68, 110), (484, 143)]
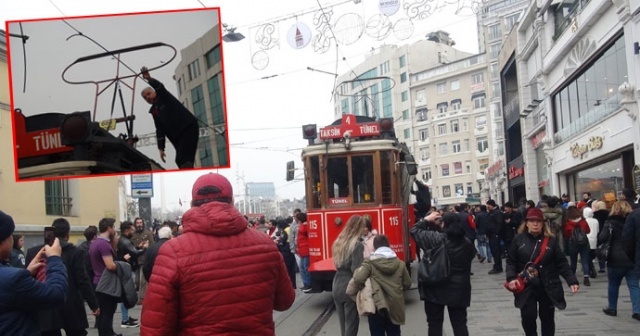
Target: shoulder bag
[(530, 271), (578, 237), (435, 267), (602, 251)]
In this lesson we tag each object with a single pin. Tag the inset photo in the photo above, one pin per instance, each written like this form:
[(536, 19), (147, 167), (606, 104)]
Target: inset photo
[(118, 94)]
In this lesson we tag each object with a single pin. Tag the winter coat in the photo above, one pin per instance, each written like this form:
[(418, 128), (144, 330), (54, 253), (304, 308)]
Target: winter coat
[(302, 240), (22, 296), (119, 284), (218, 278), (84, 246), (367, 241), (511, 228), (594, 227), (138, 237), (389, 280), (572, 223), (553, 264), (126, 247), (482, 222), (457, 291), (554, 219), (496, 223), (469, 225), (631, 238), (601, 216), (72, 315), (151, 255), (344, 273), (617, 257), (171, 118), (293, 236), (17, 258)]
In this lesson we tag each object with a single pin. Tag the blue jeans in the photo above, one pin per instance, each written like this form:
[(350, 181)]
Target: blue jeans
[(615, 275), (584, 253), (304, 271), (483, 246), (125, 313)]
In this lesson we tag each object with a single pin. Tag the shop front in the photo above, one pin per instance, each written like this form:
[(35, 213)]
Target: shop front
[(515, 176)]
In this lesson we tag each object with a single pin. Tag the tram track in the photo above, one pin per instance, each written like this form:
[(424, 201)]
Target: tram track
[(317, 325)]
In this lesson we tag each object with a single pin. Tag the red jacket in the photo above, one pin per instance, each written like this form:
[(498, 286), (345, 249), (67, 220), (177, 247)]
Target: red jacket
[(568, 227), (217, 278), (302, 240)]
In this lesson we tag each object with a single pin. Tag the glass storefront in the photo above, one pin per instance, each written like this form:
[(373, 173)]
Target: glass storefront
[(604, 181)]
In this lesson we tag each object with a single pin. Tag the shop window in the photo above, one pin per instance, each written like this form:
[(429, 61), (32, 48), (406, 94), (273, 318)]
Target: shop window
[(604, 181)]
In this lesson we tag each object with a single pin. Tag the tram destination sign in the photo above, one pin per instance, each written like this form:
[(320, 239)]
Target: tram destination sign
[(351, 127)]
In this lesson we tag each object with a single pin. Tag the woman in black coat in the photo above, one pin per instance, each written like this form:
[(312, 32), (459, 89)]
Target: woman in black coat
[(619, 265), (281, 239), (456, 292), (544, 292)]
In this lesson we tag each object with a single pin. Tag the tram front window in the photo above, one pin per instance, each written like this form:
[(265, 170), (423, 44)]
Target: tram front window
[(363, 181), (314, 180), (337, 178)]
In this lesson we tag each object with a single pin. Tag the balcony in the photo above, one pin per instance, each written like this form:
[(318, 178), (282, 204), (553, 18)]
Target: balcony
[(448, 114)]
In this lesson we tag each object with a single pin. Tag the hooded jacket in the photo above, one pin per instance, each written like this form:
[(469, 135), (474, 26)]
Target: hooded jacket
[(554, 216), (587, 213), (572, 223), (389, 279), (217, 278)]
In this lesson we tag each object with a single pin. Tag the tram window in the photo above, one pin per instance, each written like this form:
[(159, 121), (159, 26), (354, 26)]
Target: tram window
[(314, 178), (386, 174), (337, 178), (363, 181)]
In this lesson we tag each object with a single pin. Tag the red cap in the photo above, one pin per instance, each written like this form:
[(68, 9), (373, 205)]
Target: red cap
[(581, 205), (535, 213), (212, 186)]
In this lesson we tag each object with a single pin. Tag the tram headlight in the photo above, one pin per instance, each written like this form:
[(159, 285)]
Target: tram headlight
[(309, 132), (386, 128), (76, 128)]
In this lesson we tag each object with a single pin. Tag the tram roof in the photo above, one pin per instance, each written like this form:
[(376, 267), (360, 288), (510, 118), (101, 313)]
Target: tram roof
[(355, 147)]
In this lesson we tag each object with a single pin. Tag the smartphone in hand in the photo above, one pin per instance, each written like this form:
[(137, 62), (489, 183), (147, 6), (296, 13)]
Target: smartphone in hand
[(49, 235)]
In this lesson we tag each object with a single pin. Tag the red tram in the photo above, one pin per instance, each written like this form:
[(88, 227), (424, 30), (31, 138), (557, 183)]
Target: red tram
[(357, 166)]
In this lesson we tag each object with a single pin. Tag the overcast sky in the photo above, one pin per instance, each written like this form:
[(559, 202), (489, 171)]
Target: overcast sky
[(266, 105)]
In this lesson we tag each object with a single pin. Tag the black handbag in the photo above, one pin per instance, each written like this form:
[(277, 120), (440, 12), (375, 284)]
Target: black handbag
[(602, 251), (435, 267)]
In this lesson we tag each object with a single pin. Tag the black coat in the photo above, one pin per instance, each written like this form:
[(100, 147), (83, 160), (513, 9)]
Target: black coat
[(553, 264), (457, 291), (170, 117), (152, 253), (470, 232), (482, 222), (509, 230), (72, 314), (496, 223), (617, 256)]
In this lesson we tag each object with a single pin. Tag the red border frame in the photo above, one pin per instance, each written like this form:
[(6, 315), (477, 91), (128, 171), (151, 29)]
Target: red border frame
[(11, 95)]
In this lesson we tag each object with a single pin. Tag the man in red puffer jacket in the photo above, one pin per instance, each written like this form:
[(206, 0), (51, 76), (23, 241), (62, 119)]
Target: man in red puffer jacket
[(218, 277)]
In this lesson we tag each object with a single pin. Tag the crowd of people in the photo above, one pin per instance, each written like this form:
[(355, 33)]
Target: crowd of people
[(181, 274)]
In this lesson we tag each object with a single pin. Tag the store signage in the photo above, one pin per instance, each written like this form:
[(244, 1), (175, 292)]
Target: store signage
[(536, 140), (515, 172), (578, 150), (495, 168)]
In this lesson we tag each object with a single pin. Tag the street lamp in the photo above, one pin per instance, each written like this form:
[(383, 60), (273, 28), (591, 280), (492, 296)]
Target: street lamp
[(230, 34)]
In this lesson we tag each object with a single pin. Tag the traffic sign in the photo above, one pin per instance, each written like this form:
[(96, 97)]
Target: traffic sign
[(142, 185)]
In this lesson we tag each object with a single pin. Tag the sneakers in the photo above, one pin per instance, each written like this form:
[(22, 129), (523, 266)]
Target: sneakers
[(306, 289), (636, 316), (610, 312), (495, 271), (482, 259), (586, 281), (129, 324)]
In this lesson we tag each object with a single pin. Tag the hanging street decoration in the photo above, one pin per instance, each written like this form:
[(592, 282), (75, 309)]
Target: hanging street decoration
[(322, 23), (389, 7), (348, 28), (299, 35), (378, 27)]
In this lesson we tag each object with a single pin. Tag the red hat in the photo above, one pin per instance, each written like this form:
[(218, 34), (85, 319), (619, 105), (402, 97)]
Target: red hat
[(534, 213), (581, 205), (212, 186)]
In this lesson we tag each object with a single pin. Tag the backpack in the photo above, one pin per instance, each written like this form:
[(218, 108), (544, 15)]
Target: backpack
[(579, 238)]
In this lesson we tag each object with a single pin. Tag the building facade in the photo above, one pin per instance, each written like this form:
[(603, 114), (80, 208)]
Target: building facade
[(453, 129), (200, 83), (496, 20), (34, 205), (583, 135)]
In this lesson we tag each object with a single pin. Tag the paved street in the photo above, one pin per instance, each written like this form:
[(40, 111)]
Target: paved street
[(491, 312)]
